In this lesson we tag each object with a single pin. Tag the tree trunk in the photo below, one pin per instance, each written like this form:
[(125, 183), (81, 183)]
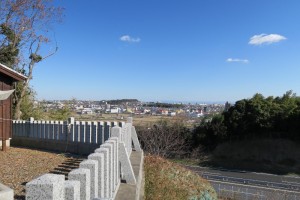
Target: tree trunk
[(17, 112)]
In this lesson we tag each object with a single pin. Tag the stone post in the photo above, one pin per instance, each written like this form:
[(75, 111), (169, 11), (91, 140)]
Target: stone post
[(82, 132), (100, 131), (84, 177), (110, 149), (99, 157), (72, 190), (88, 132), (47, 186), (77, 131), (94, 133), (92, 165), (105, 153), (114, 142)]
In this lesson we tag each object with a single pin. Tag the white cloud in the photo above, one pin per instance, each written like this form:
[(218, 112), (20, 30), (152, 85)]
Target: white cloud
[(128, 38), (266, 39), (237, 60)]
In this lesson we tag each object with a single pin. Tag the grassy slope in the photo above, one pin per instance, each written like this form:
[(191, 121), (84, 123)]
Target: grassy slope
[(167, 180)]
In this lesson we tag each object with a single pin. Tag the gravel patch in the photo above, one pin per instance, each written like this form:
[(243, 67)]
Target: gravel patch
[(20, 165)]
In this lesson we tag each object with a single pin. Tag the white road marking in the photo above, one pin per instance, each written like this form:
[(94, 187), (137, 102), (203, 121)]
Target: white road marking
[(253, 186)]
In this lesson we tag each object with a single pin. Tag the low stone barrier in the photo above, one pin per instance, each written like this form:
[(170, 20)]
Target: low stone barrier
[(98, 177), (79, 137)]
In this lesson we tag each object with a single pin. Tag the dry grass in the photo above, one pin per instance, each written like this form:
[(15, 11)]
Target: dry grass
[(21, 165), (167, 180)]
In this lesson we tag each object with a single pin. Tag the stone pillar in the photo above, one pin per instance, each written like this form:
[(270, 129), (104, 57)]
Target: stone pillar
[(105, 152), (77, 131), (107, 126), (84, 177), (47, 186), (100, 131), (72, 190), (70, 129), (110, 149), (56, 130), (82, 132), (43, 128), (99, 157), (88, 132), (114, 142), (35, 129), (51, 130), (94, 133), (92, 165)]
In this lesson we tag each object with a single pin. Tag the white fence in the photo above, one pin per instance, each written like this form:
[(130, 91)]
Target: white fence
[(98, 177)]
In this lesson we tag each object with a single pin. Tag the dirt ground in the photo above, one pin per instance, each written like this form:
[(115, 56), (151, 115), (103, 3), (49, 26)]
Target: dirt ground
[(21, 165)]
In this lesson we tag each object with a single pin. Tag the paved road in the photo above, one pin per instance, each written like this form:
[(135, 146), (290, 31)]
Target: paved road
[(250, 185)]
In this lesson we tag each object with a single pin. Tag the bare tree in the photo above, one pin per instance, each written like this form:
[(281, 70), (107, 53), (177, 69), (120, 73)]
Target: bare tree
[(166, 139), (29, 24)]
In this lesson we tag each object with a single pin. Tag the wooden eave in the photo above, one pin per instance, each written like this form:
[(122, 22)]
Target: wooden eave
[(12, 73)]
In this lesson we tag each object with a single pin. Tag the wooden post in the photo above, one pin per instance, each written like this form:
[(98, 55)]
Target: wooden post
[(3, 144)]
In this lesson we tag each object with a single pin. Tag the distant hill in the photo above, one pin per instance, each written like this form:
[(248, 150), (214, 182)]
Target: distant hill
[(122, 101)]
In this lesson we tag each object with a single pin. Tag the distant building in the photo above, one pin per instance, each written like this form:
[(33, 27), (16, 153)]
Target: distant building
[(115, 110), (196, 115), (87, 111)]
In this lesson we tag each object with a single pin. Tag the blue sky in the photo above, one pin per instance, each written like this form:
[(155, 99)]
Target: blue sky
[(196, 50)]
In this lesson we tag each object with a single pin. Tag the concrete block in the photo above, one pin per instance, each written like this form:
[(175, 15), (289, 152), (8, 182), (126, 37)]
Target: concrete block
[(47, 186), (84, 177)]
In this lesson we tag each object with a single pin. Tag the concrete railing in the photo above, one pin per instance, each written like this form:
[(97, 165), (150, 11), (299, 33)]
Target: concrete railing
[(80, 137), (98, 177)]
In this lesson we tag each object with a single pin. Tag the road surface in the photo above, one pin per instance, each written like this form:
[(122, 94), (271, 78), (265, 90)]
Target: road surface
[(250, 185)]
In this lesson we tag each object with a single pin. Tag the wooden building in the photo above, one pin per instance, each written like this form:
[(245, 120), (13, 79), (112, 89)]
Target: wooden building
[(7, 78)]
